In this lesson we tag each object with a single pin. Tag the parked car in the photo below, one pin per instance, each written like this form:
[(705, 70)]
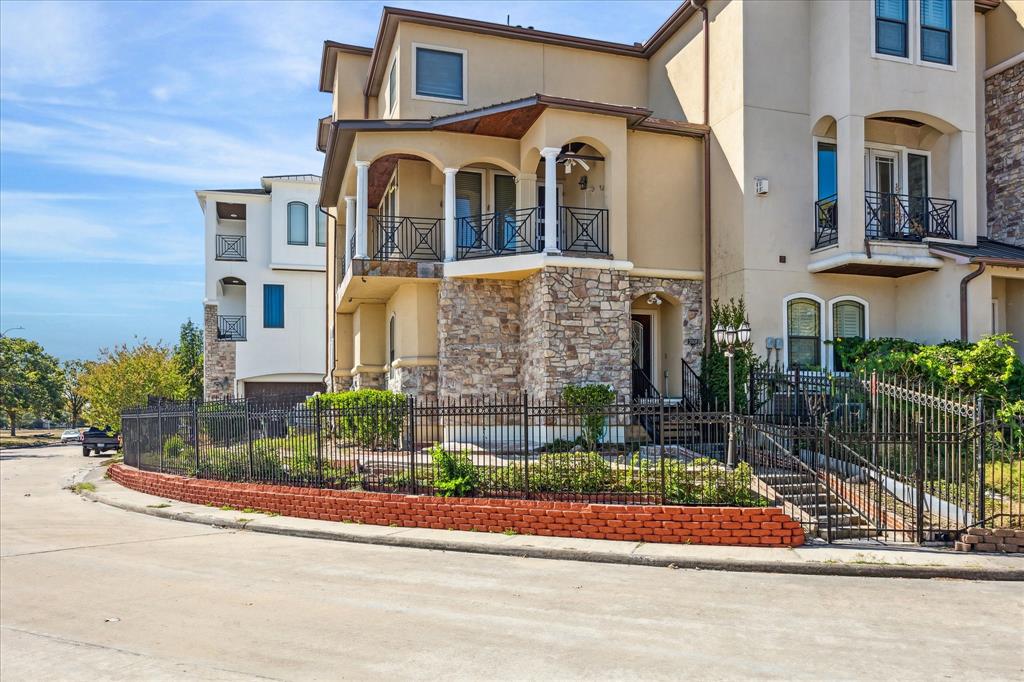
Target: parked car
[(96, 440), (70, 436)]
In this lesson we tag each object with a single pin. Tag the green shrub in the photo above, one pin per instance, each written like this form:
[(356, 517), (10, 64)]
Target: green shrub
[(367, 417), (707, 481), (575, 472), (591, 402), (454, 473), (714, 366)]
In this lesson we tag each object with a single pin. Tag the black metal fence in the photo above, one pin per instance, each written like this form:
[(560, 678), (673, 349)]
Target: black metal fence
[(849, 458), (906, 217)]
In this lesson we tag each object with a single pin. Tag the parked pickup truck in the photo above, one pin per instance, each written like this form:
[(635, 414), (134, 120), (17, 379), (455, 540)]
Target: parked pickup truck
[(96, 440)]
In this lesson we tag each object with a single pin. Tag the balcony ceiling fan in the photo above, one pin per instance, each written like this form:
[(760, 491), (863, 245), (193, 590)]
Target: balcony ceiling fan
[(570, 156)]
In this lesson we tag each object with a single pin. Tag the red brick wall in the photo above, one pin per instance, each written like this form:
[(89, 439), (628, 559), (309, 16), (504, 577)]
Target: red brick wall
[(768, 527)]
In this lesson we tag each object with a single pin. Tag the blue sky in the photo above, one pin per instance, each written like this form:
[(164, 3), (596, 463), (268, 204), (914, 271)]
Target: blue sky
[(112, 114)]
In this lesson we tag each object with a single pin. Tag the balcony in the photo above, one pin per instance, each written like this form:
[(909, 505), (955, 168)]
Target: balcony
[(826, 226), (404, 238), (230, 247), (899, 217), (231, 327), (581, 231)]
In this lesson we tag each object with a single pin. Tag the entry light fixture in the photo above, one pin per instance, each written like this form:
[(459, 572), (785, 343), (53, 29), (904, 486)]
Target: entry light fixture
[(654, 299)]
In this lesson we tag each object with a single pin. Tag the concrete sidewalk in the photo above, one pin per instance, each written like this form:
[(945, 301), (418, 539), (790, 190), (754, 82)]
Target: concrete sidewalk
[(813, 559)]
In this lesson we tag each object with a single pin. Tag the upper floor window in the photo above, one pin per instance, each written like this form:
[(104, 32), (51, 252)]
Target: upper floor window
[(392, 85), (298, 223), (321, 227), (273, 306), (439, 73), (937, 31), (891, 27)]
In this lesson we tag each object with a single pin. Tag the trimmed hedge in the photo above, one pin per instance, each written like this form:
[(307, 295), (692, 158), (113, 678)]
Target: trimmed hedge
[(368, 417)]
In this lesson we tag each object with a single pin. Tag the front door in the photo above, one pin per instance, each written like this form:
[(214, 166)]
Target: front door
[(640, 345)]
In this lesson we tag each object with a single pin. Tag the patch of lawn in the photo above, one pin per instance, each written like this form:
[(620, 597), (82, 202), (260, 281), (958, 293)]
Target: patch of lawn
[(83, 487)]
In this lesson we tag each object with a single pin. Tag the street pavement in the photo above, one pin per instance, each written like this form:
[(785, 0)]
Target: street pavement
[(88, 591)]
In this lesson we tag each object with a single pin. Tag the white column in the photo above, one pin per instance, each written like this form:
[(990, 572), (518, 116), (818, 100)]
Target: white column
[(449, 213), (550, 155), (850, 183), (963, 185), (350, 226), (362, 210)]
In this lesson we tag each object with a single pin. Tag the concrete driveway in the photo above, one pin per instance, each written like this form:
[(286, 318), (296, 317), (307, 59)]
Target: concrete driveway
[(91, 592)]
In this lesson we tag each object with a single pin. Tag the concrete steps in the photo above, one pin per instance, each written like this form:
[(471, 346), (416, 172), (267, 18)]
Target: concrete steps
[(802, 490)]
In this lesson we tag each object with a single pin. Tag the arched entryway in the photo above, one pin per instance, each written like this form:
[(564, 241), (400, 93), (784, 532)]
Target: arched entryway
[(656, 345)]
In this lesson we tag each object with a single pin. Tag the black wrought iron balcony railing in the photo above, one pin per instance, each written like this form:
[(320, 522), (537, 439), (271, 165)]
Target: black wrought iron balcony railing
[(583, 230), (405, 238), (903, 217), (580, 230), (498, 234), (230, 247), (231, 327), (826, 225)]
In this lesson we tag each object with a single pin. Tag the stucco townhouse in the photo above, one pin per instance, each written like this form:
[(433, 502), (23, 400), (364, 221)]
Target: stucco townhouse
[(265, 294), (515, 209)]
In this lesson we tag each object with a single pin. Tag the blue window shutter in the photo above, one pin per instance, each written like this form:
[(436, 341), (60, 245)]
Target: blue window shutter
[(439, 73), (273, 306)]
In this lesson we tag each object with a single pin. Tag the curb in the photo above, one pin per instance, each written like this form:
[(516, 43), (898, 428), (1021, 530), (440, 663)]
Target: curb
[(733, 565)]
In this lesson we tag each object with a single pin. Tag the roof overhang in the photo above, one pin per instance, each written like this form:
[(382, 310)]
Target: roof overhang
[(329, 60), (509, 120)]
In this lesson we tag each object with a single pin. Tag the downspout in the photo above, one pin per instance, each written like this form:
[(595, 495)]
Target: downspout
[(701, 6), (330, 293), (963, 298)]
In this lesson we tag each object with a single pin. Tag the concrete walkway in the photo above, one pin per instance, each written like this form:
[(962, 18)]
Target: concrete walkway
[(818, 558)]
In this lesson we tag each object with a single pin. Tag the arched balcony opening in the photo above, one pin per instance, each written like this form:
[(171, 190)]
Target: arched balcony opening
[(231, 293)]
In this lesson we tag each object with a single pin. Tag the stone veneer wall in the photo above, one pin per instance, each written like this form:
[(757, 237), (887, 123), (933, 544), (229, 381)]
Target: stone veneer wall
[(419, 381), (369, 380), (218, 359), (557, 326), (575, 330), (1004, 146), (478, 337), (689, 294)]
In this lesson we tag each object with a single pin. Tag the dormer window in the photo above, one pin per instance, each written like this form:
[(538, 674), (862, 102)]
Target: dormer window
[(439, 73)]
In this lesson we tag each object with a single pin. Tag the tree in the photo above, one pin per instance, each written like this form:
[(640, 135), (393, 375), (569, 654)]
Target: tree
[(127, 376), (30, 379), (74, 400), (188, 357)]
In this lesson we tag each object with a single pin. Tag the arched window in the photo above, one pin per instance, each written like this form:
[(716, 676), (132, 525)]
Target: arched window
[(298, 223), (848, 321), (391, 342), (803, 331)]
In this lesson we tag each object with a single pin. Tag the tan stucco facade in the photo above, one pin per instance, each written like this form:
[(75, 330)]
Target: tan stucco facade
[(784, 78)]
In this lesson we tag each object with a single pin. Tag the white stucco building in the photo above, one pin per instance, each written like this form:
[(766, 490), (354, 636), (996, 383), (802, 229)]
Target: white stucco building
[(265, 288)]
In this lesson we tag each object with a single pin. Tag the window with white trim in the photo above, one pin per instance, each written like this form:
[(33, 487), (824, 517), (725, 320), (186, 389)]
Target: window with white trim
[(937, 31), (321, 227), (847, 323), (891, 28), (298, 223), (440, 73), (803, 331), (392, 85)]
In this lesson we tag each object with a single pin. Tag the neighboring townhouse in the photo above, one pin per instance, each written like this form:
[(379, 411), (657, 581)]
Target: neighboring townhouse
[(265, 289), (823, 160)]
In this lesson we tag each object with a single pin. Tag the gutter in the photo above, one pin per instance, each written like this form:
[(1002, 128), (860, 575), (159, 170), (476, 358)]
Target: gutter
[(963, 297), (700, 5), (328, 370)]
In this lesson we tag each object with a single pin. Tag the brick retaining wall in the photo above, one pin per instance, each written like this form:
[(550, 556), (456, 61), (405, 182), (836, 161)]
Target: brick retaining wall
[(768, 527), (991, 540)]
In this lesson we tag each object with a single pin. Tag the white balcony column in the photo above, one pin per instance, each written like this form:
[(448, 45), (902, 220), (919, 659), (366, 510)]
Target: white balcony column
[(449, 213), (350, 226), (963, 184), (850, 183), (362, 208), (550, 155)]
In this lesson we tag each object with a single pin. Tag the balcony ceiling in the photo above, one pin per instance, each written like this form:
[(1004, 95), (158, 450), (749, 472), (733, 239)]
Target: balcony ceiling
[(226, 211)]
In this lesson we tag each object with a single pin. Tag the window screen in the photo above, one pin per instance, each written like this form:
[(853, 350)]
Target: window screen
[(439, 73)]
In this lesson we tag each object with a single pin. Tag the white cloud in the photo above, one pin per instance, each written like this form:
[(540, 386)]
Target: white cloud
[(55, 44)]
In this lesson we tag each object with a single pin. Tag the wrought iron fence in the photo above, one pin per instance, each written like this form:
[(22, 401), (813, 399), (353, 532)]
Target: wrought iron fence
[(826, 223), (230, 247), (910, 466), (497, 234), (231, 327), (908, 218), (405, 238)]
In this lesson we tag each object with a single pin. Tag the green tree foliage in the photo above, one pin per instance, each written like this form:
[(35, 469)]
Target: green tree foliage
[(126, 376), (30, 380), (368, 416), (71, 391), (714, 367), (188, 358), (591, 401)]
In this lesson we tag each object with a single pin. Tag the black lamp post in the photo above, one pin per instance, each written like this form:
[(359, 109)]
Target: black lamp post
[(729, 337)]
